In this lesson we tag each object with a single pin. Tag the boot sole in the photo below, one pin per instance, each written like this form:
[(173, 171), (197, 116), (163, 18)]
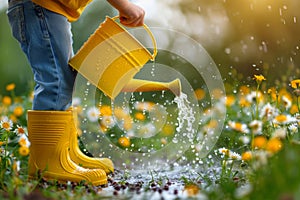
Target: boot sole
[(101, 182)]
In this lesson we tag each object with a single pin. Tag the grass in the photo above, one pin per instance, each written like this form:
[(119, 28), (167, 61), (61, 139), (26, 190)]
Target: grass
[(256, 156)]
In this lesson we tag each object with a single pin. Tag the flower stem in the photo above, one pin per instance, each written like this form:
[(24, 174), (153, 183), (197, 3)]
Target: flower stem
[(298, 105), (257, 101)]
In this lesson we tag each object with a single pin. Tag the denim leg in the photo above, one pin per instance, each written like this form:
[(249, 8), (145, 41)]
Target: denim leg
[(46, 39)]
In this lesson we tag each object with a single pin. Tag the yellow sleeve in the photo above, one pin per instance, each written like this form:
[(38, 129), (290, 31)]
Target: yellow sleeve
[(70, 9)]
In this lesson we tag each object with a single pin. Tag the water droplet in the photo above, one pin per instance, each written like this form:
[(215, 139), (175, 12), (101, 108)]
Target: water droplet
[(227, 50)]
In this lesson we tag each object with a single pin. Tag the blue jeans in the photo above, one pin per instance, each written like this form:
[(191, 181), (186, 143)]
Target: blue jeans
[(46, 39)]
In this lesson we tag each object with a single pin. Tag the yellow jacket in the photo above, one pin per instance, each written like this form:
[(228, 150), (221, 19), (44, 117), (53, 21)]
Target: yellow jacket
[(71, 9)]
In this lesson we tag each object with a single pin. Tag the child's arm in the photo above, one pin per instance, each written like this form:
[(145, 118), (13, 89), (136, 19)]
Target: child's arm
[(129, 13)]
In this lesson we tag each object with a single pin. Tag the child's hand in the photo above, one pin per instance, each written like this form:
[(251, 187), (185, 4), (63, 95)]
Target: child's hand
[(130, 14)]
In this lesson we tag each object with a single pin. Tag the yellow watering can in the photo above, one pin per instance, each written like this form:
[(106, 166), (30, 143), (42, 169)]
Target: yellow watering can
[(111, 57)]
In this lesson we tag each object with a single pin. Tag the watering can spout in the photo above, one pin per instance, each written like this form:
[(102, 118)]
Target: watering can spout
[(175, 87), (138, 85)]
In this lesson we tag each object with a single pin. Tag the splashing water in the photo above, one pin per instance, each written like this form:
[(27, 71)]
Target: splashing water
[(186, 114)]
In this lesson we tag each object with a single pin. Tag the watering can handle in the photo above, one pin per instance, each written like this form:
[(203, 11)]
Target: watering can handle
[(151, 36)]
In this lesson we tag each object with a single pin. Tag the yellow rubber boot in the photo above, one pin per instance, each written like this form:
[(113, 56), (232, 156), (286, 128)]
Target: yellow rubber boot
[(81, 159), (49, 133)]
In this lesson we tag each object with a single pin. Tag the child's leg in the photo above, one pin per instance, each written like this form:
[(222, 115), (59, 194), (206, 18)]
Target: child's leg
[(46, 39)]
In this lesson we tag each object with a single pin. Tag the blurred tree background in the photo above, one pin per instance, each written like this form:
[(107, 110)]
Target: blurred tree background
[(244, 37)]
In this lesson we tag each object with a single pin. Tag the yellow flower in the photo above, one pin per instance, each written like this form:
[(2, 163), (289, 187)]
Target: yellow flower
[(274, 145), (18, 111), (272, 90), (212, 124), (217, 93), (23, 151), (119, 113), (168, 130), (294, 109), (244, 103), (199, 93), (281, 118), (6, 100), (259, 142), (237, 126), (124, 141), (273, 93), (246, 156), (10, 87), (229, 100), (22, 142), (105, 110), (191, 189), (140, 116), (244, 90), (259, 78), (13, 118), (127, 123), (284, 92), (295, 83)]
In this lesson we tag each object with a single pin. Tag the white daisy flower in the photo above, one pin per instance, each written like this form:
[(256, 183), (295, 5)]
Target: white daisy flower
[(20, 130), (279, 133), (93, 114), (107, 121), (234, 156), (251, 97), (23, 140), (238, 127), (286, 102), (256, 126), (6, 123), (293, 128), (224, 151), (284, 119), (245, 139), (268, 112)]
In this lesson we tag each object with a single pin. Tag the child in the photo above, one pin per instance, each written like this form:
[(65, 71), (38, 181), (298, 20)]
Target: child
[(43, 29)]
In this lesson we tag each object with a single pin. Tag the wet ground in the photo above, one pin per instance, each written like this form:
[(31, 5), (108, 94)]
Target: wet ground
[(175, 183)]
